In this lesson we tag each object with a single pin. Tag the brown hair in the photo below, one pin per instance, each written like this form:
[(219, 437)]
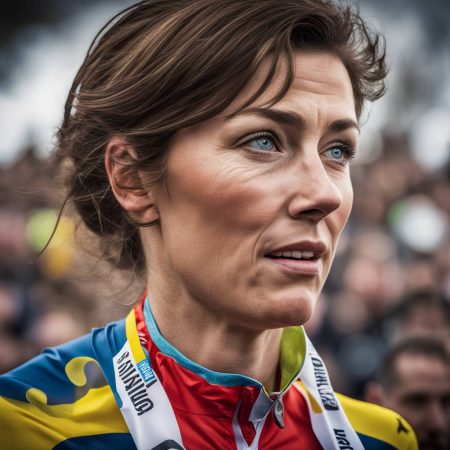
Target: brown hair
[(163, 65)]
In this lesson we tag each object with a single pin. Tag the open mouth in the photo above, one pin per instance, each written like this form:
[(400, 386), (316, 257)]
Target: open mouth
[(302, 258), (294, 255)]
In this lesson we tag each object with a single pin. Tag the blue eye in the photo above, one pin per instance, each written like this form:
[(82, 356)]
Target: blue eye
[(337, 153), (341, 153), (263, 143)]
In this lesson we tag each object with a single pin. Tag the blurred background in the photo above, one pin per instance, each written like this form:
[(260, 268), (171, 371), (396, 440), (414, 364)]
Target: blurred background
[(391, 277)]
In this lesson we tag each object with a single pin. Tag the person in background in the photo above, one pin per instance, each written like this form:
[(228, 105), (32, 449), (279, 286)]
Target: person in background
[(422, 312), (414, 380)]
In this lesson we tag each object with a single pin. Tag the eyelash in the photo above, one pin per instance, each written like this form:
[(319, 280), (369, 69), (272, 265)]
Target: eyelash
[(348, 150), (261, 134)]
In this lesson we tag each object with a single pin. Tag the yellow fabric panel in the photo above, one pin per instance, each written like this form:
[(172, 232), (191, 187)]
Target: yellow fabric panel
[(38, 426), (379, 423), (75, 369)]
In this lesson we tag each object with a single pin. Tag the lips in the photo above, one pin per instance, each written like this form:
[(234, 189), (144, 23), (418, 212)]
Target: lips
[(302, 258)]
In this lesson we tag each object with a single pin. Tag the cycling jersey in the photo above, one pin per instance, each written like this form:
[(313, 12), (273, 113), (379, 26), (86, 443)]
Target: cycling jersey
[(89, 394)]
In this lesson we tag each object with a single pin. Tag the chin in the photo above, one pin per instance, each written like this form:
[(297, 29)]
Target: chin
[(288, 311), (299, 313)]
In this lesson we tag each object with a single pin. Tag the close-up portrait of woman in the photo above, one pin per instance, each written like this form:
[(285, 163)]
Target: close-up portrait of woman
[(207, 144)]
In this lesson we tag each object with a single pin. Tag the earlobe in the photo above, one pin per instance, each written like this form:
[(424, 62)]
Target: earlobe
[(126, 182)]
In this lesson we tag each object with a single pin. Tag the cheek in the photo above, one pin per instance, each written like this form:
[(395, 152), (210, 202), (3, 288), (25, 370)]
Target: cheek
[(220, 198), (211, 223), (197, 223), (347, 198), (343, 212)]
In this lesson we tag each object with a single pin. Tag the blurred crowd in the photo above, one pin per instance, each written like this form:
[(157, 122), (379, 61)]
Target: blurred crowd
[(46, 297), (390, 279), (388, 294)]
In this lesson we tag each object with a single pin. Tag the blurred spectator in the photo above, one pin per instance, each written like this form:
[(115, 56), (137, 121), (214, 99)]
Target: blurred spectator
[(424, 312), (415, 382), (55, 327)]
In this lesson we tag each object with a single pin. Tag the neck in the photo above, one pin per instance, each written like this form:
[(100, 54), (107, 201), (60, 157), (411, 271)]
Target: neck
[(209, 339)]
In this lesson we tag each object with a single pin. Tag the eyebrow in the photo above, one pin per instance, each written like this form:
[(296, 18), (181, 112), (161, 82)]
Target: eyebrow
[(293, 119)]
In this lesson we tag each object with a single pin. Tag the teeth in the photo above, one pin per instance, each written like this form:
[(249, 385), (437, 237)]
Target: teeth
[(307, 255), (297, 254)]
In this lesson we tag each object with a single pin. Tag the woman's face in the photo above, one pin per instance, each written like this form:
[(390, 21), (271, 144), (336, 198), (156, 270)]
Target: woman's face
[(253, 203)]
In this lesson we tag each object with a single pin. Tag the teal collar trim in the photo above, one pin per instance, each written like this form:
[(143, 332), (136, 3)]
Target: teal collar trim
[(219, 378)]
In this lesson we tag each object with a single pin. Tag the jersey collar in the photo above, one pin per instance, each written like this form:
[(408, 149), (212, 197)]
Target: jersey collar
[(292, 355)]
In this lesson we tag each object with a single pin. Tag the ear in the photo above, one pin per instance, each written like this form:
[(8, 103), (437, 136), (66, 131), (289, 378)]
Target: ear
[(373, 393), (126, 181)]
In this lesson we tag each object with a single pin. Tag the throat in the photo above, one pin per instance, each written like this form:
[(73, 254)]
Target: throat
[(214, 349)]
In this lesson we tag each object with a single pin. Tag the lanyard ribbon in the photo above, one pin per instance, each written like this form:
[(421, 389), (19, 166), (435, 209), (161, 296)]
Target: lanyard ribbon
[(145, 405), (330, 424), (152, 422)]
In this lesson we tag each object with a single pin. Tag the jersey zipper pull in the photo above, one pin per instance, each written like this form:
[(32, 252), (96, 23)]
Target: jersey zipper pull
[(278, 412)]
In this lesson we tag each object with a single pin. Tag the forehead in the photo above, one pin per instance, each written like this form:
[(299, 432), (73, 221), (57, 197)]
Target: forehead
[(320, 94), (422, 372), (319, 77)]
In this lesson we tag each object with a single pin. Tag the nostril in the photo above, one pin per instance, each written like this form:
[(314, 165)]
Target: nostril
[(313, 214)]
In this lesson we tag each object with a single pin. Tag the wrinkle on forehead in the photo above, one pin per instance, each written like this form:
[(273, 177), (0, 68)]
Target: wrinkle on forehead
[(316, 72), (321, 94)]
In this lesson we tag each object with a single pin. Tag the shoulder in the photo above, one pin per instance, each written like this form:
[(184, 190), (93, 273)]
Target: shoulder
[(379, 428), (62, 395)]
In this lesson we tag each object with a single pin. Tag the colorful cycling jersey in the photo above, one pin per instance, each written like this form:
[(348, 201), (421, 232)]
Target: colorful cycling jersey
[(125, 387)]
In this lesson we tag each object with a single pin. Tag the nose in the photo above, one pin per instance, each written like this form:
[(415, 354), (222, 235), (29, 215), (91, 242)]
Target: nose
[(316, 194)]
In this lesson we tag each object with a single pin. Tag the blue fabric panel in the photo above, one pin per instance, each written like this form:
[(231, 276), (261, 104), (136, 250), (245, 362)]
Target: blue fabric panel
[(111, 441), (106, 343), (371, 443), (46, 372)]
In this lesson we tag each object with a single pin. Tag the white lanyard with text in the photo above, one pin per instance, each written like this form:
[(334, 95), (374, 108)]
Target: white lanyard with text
[(152, 422), (330, 424), (145, 405)]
